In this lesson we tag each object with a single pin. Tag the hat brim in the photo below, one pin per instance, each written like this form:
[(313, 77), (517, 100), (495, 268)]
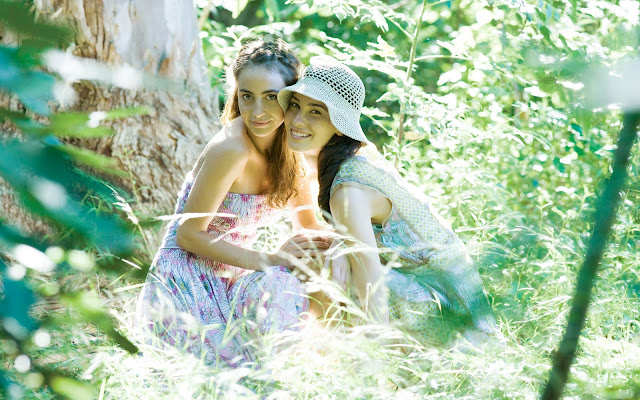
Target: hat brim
[(344, 123)]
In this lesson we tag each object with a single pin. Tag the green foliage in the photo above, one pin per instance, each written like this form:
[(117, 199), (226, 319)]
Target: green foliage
[(604, 218), (44, 174), (17, 299), (507, 126), (19, 17), (500, 126)]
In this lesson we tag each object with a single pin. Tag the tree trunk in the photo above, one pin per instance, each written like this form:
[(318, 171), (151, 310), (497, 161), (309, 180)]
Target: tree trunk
[(158, 37)]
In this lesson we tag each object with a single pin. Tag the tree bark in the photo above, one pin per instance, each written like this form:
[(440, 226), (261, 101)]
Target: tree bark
[(158, 37)]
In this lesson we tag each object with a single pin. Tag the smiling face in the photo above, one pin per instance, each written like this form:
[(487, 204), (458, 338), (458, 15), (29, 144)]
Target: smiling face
[(258, 88), (308, 125)]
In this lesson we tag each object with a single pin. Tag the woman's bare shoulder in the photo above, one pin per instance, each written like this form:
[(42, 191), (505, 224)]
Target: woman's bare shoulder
[(229, 147), (230, 140)]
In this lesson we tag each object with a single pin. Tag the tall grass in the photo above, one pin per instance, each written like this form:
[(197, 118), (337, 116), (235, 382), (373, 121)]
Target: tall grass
[(525, 227), (528, 265), (527, 239), (519, 189)]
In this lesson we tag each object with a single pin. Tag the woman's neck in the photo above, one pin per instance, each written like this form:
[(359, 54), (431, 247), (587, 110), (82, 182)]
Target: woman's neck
[(263, 143), (312, 160)]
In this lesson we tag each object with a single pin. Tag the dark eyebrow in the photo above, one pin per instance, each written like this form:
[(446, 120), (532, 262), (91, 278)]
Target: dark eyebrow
[(312, 104), (265, 92)]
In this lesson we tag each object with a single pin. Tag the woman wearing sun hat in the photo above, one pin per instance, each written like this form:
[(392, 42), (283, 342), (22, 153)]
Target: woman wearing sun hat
[(433, 287)]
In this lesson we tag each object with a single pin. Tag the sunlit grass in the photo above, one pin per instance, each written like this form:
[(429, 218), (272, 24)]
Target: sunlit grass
[(339, 363), (528, 270), (528, 241), (528, 261), (382, 362)]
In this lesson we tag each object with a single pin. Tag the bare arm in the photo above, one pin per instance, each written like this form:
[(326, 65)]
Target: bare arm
[(222, 164), (302, 208), (353, 208)]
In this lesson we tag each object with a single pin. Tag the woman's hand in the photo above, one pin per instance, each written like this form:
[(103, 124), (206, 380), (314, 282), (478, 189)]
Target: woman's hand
[(306, 247)]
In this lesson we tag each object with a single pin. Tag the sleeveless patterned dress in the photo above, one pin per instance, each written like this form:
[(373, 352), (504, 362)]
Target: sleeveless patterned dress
[(434, 287), (212, 309)]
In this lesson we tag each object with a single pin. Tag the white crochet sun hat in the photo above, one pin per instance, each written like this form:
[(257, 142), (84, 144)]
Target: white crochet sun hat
[(338, 87)]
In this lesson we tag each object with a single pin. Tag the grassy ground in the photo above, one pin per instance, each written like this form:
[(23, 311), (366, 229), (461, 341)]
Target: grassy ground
[(526, 227), (529, 276), (334, 363)]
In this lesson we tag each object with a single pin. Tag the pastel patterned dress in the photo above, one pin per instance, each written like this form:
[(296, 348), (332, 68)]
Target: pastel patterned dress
[(434, 287), (213, 310)]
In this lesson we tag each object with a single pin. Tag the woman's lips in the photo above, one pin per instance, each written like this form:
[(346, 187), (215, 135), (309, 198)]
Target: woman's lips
[(299, 135), (259, 124)]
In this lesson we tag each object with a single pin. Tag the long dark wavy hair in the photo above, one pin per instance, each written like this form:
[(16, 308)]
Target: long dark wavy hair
[(284, 167), (332, 155)]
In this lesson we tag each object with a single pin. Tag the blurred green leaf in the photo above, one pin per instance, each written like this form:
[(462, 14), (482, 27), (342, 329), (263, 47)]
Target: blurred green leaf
[(546, 33), (125, 112), (576, 128), (15, 304), (341, 13), (19, 17), (558, 164), (74, 124), (546, 82), (92, 159), (71, 388), (120, 339), (22, 121), (559, 98), (78, 124), (10, 236), (48, 196), (237, 7), (11, 390), (35, 90), (92, 309), (10, 70), (273, 10), (87, 303)]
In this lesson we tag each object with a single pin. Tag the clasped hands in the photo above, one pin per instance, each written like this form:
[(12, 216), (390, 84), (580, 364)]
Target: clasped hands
[(308, 248)]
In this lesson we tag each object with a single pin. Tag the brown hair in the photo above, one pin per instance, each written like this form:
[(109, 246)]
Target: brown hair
[(284, 167), (337, 150)]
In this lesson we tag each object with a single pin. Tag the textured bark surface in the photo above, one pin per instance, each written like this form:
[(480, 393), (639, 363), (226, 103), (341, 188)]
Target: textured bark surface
[(158, 37)]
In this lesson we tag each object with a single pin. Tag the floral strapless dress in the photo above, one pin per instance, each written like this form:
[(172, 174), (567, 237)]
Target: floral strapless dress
[(210, 309)]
